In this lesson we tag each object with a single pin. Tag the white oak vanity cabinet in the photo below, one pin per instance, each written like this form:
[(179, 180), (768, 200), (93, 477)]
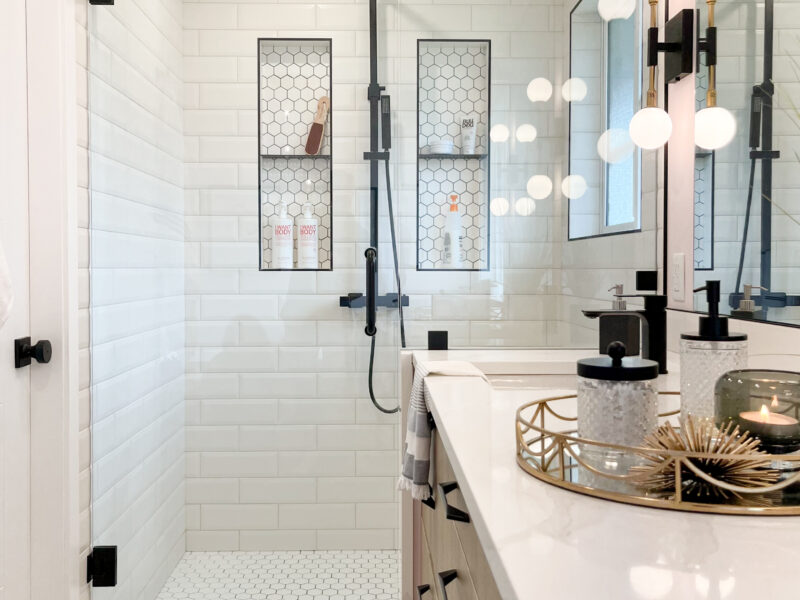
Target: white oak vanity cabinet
[(450, 561)]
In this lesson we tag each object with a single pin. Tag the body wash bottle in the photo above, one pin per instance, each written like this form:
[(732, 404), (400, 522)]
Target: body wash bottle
[(452, 235), (468, 132), (307, 239), (282, 239), (706, 355)]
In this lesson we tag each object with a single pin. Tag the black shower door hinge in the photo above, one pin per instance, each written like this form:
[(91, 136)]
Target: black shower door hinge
[(102, 2), (101, 566)]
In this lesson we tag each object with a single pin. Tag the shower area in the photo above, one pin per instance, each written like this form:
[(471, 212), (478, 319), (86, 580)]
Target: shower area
[(232, 449)]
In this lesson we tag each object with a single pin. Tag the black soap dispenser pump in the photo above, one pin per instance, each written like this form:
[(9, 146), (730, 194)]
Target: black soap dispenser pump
[(706, 355)]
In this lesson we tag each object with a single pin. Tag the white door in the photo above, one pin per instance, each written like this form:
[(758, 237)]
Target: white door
[(15, 387)]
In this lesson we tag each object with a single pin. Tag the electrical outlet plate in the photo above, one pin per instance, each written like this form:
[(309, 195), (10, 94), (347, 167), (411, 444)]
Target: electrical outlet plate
[(677, 276)]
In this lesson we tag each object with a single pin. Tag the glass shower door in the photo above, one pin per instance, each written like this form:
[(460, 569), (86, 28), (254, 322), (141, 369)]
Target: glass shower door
[(137, 310), (495, 68)]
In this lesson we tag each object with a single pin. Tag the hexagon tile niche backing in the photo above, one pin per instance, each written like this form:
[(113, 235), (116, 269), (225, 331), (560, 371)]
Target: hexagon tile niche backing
[(293, 75), (298, 182), (454, 82)]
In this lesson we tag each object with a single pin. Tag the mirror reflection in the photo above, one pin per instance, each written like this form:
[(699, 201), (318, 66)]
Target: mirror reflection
[(605, 57), (746, 207)]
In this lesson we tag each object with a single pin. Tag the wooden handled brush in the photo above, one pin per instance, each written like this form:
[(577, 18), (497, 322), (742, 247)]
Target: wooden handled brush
[(314, 141)]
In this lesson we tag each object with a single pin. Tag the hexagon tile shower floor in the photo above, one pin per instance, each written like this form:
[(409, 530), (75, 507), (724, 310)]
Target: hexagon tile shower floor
[(305, 575)]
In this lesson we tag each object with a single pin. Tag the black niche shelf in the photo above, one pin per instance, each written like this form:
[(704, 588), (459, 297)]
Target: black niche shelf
[(296, 156), (455, 156)]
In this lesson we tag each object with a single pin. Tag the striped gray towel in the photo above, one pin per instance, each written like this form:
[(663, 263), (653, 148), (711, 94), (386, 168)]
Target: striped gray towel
[(417, 450)]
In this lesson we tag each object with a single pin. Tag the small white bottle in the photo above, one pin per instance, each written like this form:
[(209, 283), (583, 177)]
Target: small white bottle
[(282, 239), (307, 239), (468, 126), (452, 235)]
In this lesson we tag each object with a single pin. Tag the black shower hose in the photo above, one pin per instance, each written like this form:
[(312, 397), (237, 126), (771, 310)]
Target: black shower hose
[(389, 411), (746, 224)]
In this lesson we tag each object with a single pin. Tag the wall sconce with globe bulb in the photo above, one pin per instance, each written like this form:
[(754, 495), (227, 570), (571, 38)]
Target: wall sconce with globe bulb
[(651, 127), (714, 126)]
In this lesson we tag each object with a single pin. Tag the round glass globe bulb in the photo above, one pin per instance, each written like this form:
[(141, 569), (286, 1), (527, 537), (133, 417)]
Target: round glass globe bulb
[(573, 186), (615, 9), (540, 90), (525, 206), (499, 206), (539, 187), (650, 128), (714, 128), (499, 133), (526, 132), (574, 89), (615, 145)]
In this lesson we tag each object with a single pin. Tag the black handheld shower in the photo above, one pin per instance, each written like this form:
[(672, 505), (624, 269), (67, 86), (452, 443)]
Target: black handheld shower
[(372, 274)]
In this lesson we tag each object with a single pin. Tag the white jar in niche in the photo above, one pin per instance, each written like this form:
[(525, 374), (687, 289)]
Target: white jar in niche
[(307, 239), (469, 125)]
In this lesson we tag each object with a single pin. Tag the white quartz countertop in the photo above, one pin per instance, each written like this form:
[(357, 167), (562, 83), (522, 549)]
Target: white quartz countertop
[(545, 542)]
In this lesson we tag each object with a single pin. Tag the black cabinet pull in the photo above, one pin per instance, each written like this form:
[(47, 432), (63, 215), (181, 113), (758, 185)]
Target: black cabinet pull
[(422, 589), (445, 578), (452, 513), (430, 501)]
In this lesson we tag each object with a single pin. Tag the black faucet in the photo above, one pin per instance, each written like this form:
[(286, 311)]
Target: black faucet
[(654, 325)]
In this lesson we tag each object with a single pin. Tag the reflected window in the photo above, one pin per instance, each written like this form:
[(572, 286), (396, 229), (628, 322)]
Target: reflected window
[(621, 193), (606, 56)]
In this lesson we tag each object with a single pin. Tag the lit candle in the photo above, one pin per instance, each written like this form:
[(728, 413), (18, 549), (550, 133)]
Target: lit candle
[(778, 433), (765, 417)]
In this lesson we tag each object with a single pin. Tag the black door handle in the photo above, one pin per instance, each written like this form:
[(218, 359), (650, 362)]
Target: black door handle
[(42, 351), (451, 512), (422, 589), (445, 578)]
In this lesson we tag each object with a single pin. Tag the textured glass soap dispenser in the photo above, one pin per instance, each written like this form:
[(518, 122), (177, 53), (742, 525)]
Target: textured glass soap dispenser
[(707, 355)]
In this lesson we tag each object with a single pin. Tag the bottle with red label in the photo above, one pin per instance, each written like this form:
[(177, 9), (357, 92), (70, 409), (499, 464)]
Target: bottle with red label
[(451, 254), (307, 239), (282, 239)]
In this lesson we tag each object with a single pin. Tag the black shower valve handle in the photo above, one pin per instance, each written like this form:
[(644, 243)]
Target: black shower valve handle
[(372, 268)]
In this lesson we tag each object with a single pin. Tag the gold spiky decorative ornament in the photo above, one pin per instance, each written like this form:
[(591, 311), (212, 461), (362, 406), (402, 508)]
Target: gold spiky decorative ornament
[(743, 465)]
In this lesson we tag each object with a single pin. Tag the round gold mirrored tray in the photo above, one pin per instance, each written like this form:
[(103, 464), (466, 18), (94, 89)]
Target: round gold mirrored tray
[(700, 469)]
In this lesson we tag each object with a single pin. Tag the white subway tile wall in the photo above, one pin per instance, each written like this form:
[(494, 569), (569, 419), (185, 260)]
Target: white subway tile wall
[(131, 64), (278, 419)]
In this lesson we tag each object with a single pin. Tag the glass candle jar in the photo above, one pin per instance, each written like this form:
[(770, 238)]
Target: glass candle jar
[(764, 402)]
